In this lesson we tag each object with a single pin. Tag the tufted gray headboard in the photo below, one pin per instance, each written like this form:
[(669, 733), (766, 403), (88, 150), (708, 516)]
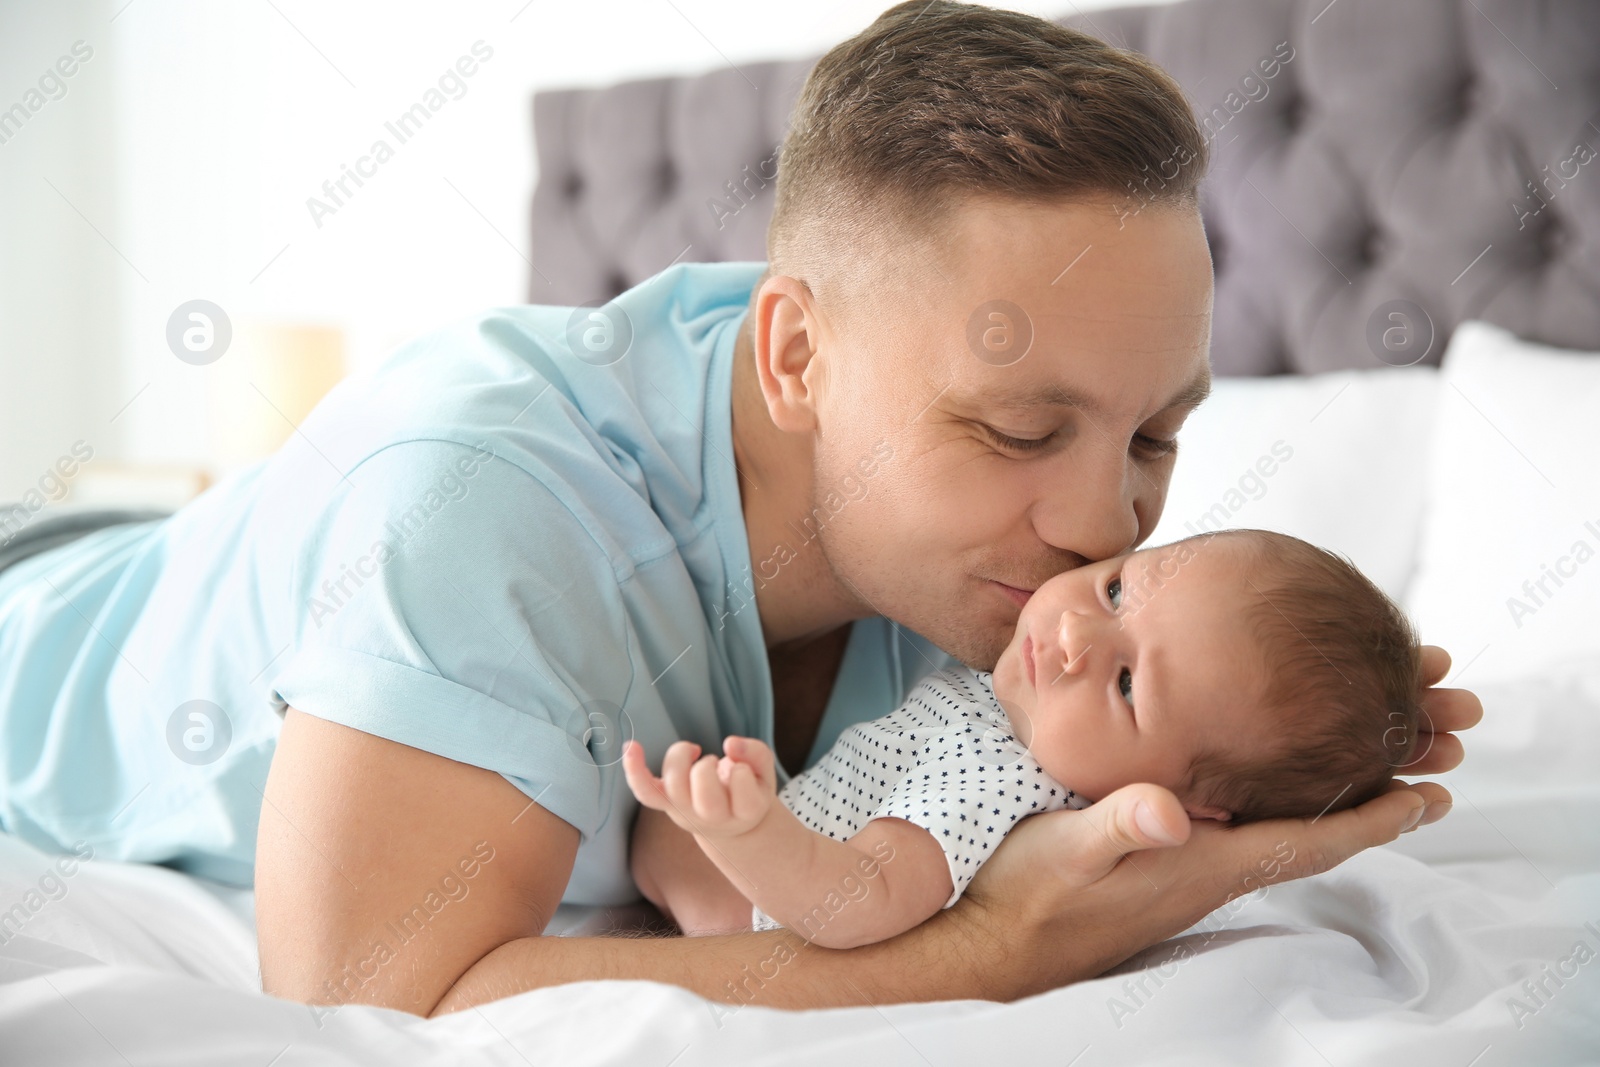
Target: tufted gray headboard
[(1442, 152)]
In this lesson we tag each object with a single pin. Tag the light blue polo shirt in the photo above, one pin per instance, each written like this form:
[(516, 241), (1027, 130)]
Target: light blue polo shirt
[(488, 548)]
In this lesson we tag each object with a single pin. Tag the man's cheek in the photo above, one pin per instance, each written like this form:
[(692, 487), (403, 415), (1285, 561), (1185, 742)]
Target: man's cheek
[(1150, 505)]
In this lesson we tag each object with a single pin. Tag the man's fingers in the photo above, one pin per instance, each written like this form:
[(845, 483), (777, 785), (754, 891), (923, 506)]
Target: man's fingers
[(1436, 753), (1444, 711), (1451, 709), (1323, 843), (1435, 796), (1134, 818), (1435, 664)]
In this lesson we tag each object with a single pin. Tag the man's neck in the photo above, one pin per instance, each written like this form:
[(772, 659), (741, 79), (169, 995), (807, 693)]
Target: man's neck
[(803, 599)]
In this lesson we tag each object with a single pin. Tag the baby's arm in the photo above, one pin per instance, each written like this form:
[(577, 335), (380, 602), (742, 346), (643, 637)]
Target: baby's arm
[(799, 877), (675, 875)]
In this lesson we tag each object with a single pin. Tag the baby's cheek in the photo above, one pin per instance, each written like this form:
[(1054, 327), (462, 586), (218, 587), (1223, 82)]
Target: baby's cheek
[(1088, 763), (1072, 758)]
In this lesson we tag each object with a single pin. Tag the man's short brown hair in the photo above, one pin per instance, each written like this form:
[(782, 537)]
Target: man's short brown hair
[(1344, 688), (936, 101)]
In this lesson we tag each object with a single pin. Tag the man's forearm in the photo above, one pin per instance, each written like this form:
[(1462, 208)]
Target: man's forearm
[(775, 969)]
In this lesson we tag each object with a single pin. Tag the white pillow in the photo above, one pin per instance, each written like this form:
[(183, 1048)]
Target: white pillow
[(1337, 459), (1509, 566)]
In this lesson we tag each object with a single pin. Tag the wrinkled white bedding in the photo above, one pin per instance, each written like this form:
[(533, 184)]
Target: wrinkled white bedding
[(1413, 954)]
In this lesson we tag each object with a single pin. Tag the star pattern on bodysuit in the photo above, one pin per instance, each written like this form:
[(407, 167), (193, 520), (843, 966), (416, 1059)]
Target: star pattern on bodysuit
[(945, 760)]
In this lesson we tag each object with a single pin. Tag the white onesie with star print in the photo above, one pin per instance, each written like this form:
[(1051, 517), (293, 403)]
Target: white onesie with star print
[(945, 760)]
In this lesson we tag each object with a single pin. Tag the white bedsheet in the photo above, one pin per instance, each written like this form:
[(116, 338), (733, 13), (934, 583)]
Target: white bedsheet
[(1412, 954)]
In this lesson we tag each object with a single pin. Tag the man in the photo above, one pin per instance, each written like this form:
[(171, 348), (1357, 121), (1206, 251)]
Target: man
[(735, 500)]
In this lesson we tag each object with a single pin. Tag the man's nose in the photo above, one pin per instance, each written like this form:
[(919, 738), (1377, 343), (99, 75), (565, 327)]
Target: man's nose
[(1089, 510)]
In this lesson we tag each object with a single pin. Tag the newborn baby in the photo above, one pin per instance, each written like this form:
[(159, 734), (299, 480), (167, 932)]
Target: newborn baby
[(1252, 674)]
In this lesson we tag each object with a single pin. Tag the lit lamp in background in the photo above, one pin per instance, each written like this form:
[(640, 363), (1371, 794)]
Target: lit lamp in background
[(266, 386), (271, 375)]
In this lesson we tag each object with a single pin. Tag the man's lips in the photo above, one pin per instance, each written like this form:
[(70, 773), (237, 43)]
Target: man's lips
[(1020, 596)]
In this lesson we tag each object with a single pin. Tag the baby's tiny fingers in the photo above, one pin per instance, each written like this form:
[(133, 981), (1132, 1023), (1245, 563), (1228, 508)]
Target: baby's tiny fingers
[(755, 753), (748, 797), (675, 773), (680, 754), (710, 795), (646, 786)]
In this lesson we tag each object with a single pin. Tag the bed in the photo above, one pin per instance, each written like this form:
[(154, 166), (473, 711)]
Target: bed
[(1379, 173)]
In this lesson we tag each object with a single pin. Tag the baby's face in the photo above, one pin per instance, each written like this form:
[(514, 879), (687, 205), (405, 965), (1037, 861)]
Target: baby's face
[(1124, 671)]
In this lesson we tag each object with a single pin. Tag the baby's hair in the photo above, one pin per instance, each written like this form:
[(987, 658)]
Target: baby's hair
[(1344, 686)]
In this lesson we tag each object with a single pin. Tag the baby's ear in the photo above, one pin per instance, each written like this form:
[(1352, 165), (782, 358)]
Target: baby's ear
[(1208, 811)]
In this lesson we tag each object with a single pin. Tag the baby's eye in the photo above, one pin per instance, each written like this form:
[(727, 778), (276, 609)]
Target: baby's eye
[(1114, 591), (1125, 685)]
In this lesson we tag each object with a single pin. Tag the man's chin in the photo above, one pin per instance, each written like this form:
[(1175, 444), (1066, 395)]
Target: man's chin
[(980, 651), (976, 637), (972, 629)]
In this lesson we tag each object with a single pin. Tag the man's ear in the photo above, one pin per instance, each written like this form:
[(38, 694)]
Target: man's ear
[(787, 330), (1208, 811)]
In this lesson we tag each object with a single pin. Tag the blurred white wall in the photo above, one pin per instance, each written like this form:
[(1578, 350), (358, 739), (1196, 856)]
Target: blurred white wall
[(179, 161), (61, 300)]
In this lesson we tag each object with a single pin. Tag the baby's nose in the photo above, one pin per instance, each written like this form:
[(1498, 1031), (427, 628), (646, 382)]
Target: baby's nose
[(1073, 634)]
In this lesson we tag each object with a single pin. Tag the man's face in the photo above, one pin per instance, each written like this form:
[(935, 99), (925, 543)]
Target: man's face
[(1004, 471)]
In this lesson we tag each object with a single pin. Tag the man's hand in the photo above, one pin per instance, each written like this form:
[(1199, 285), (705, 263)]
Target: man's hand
[(1444, 712), (711, 797)]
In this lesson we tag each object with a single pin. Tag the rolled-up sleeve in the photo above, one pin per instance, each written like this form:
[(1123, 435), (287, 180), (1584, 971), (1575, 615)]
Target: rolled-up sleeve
[(450, 601)]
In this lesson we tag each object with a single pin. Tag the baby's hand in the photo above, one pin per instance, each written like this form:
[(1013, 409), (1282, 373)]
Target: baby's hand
[(706, 795)]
